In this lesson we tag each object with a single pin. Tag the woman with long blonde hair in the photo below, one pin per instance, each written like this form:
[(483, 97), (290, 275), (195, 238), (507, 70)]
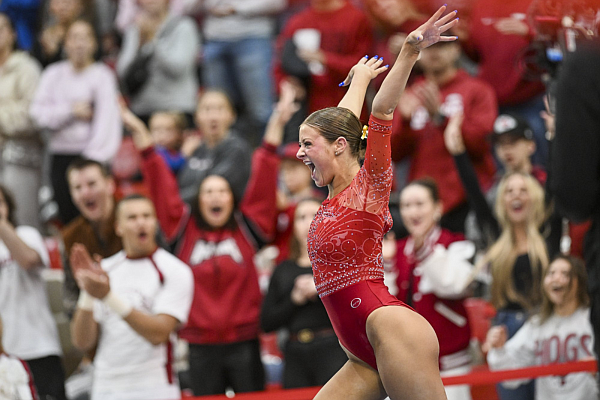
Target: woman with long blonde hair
[(517, 259), (520, 212)]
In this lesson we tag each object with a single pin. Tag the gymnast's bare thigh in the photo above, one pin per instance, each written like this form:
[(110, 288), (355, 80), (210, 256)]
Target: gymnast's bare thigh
[(406, 349), (356, 380), (407, 353)]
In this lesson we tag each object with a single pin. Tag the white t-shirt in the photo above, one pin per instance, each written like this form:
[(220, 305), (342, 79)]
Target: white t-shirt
[(557, 340), (127, 366), (29, 329), (15, 380)]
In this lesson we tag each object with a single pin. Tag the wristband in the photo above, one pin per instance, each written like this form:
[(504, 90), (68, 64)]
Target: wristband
[(85, 301), (115, 303)]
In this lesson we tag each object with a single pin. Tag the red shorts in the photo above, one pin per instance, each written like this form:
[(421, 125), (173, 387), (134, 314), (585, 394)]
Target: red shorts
[(348, 311)]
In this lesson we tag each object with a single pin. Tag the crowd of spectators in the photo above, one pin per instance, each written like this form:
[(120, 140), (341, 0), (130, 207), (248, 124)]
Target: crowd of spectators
[(166, 132)]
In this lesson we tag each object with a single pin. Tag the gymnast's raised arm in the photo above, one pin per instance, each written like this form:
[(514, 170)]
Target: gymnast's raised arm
[(429, 33), (358, 78)]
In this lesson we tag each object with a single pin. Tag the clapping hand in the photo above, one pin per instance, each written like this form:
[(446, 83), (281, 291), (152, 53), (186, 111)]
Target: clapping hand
[(429, 96), (408, 104), (88, 274), (431, 31), (97, 284), (80, 259)]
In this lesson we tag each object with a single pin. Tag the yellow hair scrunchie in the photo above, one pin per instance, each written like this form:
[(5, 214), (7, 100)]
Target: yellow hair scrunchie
[(365, 132)]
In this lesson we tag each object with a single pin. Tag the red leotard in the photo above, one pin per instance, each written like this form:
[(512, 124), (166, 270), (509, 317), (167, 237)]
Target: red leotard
[(344, 245)]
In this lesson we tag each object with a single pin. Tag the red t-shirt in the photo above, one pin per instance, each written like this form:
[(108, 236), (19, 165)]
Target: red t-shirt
[(423, 141), (346, 36), (500, 56), (227, 298)]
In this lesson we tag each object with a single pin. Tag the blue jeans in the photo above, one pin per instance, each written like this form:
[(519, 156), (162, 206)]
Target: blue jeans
[(530, 111), (514, 320), (242, 68)]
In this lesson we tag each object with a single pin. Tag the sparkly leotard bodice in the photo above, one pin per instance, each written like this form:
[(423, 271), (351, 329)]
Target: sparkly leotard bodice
[(344, 240)]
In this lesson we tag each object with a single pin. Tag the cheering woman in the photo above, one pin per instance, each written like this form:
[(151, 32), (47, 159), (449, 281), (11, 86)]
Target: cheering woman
[(392, 350)]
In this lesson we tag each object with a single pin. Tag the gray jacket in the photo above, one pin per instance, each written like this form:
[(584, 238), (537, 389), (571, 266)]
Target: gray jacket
[(172, 83)]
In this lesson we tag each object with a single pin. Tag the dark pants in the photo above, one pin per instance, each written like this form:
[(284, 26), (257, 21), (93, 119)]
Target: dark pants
[(49, 377), (214, 368), (312, 364), (66, 209)]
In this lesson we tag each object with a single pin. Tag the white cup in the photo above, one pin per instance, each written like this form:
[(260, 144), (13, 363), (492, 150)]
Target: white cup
[(309, 39)]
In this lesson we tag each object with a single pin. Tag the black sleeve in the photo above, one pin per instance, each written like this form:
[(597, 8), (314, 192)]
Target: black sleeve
[(477, 201), (575, 153), (70, 289), (277, 308)]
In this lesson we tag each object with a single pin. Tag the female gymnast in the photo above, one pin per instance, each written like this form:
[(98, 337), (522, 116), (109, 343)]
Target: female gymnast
[(391, 350)]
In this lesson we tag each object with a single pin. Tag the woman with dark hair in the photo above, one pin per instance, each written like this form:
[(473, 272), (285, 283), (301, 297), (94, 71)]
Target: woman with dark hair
[(22, 144), (312, 354), (77, 102), (30, 331), (560, 333), (218, 239), (392, 350)]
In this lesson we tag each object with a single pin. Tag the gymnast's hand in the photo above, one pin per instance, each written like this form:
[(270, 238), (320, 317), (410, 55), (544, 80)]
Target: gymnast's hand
[(366, 67), (431, 31)]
